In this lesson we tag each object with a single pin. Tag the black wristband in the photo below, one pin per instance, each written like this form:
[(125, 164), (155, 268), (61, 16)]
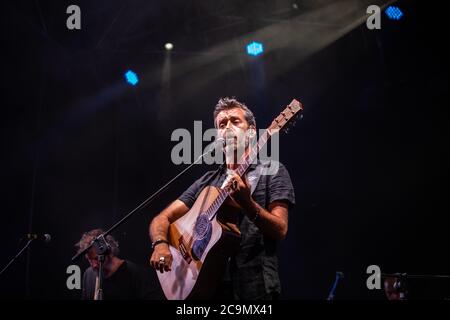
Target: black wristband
[(155, 243)]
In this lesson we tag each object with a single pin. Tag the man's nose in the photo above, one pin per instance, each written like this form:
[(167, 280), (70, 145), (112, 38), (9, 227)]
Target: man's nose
[(228, 126)]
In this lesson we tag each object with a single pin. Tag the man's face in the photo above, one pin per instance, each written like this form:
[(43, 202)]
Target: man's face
[(231, 125), (92, 258)]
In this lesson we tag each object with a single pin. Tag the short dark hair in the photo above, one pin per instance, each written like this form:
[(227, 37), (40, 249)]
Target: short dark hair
[(230, 103), (87, 238)]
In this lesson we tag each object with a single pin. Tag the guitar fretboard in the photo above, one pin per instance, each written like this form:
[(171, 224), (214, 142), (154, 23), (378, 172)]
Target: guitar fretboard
[(241, 169)]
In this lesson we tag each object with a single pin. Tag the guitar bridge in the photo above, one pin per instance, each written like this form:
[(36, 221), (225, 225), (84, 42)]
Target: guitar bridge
[(184, 252)]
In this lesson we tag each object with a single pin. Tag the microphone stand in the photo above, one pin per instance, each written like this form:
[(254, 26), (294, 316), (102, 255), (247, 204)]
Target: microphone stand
[(401, 280), (17, 255), (414, 276), (102, 248), (339, 275), (100, 244)]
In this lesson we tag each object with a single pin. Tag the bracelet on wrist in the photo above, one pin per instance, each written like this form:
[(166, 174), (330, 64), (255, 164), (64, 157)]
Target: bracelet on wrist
[(159, 241), (256, 217)]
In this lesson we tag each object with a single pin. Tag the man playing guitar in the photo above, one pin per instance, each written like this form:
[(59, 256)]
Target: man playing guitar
[(252, 273)]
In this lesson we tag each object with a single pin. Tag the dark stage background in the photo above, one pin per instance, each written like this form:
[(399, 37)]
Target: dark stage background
[(80, 147)]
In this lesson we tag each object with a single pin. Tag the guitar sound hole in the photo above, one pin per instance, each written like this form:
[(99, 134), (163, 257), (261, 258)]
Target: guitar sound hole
[(201, 226)]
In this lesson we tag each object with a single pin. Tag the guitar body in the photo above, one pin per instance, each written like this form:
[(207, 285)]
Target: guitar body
[(200, 248)]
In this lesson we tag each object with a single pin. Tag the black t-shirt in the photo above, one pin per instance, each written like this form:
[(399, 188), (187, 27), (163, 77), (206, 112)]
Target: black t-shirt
[(129, 282), (253, 272)]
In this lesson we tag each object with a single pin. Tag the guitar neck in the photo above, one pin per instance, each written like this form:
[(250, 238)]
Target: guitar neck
[(245, 163), (280, 122)]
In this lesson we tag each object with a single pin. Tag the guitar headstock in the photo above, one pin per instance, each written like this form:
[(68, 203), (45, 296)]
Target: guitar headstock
[(286, 118)]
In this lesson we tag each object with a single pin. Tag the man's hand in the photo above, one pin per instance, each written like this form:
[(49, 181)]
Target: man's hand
[(241, 193), (161, 258), (159, 228), (272, 221)]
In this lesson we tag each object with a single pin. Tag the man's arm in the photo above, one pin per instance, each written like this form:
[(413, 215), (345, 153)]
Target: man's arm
[(159, 228), (272, 222)]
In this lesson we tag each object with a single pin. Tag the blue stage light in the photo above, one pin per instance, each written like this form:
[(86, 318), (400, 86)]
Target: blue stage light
[(255, 48), (394, 13), (131, 77)]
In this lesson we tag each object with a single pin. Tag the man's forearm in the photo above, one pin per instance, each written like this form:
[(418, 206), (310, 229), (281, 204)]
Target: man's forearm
[(159, 228), (268, 223)]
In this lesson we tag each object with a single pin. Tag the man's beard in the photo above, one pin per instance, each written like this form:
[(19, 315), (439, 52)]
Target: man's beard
[(235, 147)]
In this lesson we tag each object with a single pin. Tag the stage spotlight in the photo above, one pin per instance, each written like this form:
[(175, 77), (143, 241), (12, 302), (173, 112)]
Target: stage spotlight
[(255, 48), (394, 13), (168, 46), (131, 77)]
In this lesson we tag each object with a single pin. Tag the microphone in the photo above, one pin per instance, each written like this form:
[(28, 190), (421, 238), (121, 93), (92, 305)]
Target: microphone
[(220, 141), (212, 146), (34, 236)]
